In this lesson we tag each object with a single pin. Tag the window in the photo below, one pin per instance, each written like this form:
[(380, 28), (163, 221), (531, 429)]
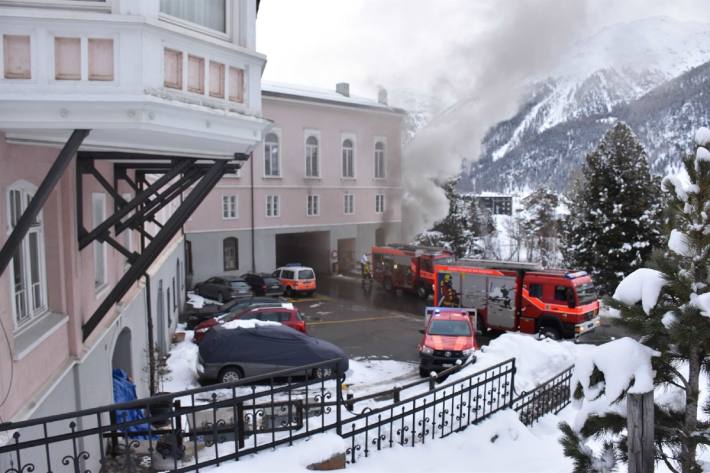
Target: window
[(172, 69), (17, 57), (535, 290), (380, 203), (236, 85), (313, 206), (98, 213), (67, 58), (271, 155), (288, 274), (379, 160), (348, 158), (561, 293), (312, 165), (101, 59), (349, 204), (230, 251), (216, 79), (272, 206), (28, 264), (195, 74), (210, 14), (229, 207)]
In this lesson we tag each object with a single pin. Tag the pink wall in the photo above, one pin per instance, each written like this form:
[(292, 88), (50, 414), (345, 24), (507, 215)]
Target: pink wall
[(291, 119), (70, 278)]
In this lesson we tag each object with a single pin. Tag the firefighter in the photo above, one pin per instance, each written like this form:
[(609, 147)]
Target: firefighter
[(448, 297)]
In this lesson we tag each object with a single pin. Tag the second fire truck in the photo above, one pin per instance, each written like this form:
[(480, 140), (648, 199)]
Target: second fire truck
[(408, 267), (520, 297)]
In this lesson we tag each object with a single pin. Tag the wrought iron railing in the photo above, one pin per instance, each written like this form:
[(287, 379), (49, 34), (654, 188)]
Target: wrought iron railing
[(207, 426), (549, 397), (181, 431)]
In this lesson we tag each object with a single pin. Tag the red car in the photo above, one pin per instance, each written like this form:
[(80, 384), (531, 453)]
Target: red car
[(449, 336), (289, 317)]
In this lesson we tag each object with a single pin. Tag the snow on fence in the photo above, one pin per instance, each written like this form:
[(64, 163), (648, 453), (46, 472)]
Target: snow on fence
[(189, 430)]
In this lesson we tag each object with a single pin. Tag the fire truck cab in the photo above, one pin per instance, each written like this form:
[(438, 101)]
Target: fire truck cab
[(520, 297), (408, 267)]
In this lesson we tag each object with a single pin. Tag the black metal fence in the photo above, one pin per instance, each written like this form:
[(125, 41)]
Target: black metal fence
[(207, 426), (181, 431), (550, 397)]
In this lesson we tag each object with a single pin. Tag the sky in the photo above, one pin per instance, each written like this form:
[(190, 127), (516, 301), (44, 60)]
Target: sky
[(476, 54)]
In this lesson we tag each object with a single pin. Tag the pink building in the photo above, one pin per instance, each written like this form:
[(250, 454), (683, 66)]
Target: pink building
[(117, 117), (321, 189)]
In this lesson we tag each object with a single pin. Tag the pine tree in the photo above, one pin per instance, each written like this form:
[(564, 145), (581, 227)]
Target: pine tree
[(541, 225), (676, 324), (451, 231), (615, 210)]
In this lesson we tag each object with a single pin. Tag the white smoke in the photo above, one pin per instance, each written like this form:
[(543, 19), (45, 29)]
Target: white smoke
[(523, 42)]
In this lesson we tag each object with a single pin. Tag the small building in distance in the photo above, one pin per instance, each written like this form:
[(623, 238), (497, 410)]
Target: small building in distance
[(496, 204)]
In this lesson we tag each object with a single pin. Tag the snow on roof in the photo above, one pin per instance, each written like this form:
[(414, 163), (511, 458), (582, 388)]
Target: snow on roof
[(274, 89), (247, 323)]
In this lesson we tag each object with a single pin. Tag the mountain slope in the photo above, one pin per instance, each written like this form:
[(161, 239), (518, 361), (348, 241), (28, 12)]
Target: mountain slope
[(565, 115)]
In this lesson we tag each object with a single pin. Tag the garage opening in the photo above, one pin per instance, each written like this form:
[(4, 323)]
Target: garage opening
[(121, 358), (380, 237), (308, 248)]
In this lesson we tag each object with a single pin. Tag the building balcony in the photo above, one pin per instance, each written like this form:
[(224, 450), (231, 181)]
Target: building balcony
[(140, 82)]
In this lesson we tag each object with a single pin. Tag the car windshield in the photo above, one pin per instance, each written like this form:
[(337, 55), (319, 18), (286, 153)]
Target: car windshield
[(449, 328), (586, 293), (306, 274)]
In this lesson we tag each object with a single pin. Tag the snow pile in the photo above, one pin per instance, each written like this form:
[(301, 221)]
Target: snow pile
[(625, 363), (181, 366), (197, 302), (247, 323), (702, 302), (678, 243), (303, 453), (366, 375), (535, 360), (643, 285), (702, 136)]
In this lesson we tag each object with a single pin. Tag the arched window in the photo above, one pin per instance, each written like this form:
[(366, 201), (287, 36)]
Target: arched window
[(28, 273), (348, 158), (379, 160), (271, 155), (312, 165), (230, 253)]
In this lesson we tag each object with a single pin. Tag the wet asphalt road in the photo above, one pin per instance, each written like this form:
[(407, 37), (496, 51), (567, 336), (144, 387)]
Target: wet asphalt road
[(383, 325)]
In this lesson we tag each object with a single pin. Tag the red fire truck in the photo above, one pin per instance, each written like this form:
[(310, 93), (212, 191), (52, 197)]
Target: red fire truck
[(519, 296), (408, 267)]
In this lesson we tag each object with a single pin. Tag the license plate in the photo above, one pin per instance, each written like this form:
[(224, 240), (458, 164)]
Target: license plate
[(447, 365)]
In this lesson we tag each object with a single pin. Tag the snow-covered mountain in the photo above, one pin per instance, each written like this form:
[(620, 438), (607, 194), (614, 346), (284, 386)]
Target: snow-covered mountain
[(613, 75)]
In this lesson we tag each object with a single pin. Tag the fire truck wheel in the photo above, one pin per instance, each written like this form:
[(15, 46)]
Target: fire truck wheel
[(389, 287), (422, 292), (547, 331)]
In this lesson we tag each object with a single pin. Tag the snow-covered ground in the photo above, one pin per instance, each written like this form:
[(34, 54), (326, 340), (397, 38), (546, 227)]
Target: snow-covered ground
[(499, 444)]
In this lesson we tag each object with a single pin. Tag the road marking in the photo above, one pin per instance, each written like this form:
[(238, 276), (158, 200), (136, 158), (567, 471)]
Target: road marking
[(364, 319)]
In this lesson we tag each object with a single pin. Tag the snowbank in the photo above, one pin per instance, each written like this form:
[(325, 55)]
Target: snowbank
[(678, 243), (182, 366), (247, 323), (702, 136), (643, 285), (625, 363), (287, 459)]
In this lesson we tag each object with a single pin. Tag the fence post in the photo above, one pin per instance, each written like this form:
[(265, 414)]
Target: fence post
[(338, 403), (395, 393), (640, 429)]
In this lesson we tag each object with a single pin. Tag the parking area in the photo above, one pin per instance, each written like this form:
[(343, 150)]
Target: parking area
[(381, 324)]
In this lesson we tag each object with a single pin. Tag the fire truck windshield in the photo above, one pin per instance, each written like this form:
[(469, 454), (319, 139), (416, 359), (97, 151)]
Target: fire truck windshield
[(444, 260), (449, 328), (586, 293)]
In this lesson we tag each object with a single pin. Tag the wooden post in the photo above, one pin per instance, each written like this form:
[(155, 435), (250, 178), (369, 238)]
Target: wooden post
[(640, 427)]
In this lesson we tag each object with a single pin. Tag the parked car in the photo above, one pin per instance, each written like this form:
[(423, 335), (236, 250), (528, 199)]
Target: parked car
[(263, 284), (195, 316), (223, 288), (229, 354), (296, 279), (449, 336), (285, 314)]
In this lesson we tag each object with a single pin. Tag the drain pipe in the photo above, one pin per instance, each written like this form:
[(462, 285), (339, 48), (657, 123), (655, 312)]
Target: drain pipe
[(251, 171), (151, 343)]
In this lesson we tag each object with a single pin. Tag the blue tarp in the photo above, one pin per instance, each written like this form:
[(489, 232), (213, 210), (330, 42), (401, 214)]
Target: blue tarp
[(125, 391)]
